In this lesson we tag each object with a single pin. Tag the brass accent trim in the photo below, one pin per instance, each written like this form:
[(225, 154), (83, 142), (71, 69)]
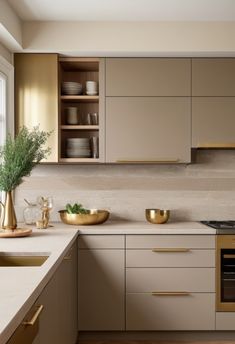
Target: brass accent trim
[(222, 242), (216, 145), (171, 250), (123, 161), (170, 293), (34, 317)]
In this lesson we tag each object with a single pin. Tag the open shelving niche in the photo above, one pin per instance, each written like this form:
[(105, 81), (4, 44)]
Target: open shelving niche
[(80, 70)]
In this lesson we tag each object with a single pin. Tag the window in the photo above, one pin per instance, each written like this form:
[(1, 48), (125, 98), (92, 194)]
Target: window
[(6, 101), (2, 108)]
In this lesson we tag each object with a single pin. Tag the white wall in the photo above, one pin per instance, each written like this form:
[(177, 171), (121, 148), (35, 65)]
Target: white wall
[(10, 26), (133, 38)]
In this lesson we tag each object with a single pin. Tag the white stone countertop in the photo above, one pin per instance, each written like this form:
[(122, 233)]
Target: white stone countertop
[(21, 286)]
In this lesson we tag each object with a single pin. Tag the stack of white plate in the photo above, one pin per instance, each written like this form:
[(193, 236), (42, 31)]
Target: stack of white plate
[(78, 148), (71, 88)]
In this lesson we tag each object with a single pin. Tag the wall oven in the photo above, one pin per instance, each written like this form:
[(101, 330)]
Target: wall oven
[(225, 273)]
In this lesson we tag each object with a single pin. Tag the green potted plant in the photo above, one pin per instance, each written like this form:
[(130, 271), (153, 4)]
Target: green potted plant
[(18, 156)]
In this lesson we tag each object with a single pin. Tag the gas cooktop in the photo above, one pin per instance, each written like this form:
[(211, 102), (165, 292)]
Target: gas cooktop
[(220, 224)]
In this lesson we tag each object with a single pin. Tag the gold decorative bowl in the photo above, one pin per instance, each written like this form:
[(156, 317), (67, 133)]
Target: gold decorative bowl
[(157, 216), (94, 217)]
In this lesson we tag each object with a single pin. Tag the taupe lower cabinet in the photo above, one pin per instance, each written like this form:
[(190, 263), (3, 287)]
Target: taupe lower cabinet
[(58, 320), (166, 290), (36, 95), (147, 129), (148, 77), (101, 286)]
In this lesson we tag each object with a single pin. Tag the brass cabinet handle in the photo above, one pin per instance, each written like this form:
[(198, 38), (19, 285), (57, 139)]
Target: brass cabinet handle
[(34, 317), (170, 293), (171, 250), (171, 161), (69, 256), (216, 145)]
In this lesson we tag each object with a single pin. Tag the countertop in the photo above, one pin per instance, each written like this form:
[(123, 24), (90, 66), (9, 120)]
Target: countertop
[(21, 286)]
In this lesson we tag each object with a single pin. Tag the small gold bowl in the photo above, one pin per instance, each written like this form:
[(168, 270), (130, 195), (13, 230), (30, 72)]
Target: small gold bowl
[(94, 217), (157, 215)]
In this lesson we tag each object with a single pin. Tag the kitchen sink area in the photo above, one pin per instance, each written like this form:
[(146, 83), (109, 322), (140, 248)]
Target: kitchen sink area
[(9, 259)]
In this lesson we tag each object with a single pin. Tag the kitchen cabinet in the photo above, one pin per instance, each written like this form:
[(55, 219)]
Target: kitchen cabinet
[(36, 95), (213, 102), (170, 282), (213, 122), (147, 77), (213, 77), (58, 321), (27, 331), (101, 283), (81, 70), (148, 129)]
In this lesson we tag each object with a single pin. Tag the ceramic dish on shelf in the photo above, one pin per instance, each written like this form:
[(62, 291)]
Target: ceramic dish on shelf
[(71, 88)]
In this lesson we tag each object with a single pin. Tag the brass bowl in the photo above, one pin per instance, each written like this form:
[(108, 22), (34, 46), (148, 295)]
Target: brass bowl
[(94, 217), (157, 216)]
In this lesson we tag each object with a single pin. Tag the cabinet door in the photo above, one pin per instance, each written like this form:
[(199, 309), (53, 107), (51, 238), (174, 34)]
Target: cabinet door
[(148, 77), (190, 312), (213, 77), (148, 129), (36, 95), (49, 318), (67, 297), (213, 122), (101, 290)]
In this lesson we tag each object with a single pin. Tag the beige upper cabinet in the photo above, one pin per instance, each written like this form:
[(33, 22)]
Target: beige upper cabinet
[(36, 95), (148, 77), (213, 77), (213, 122), (148, 129)]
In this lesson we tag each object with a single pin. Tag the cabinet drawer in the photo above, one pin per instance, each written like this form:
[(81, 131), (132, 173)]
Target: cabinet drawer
[(101, 241), (213, 77), (146, 312), (191, 258), (147, 129), (148, 77), (141, 280), (168, 241), (216, 111)]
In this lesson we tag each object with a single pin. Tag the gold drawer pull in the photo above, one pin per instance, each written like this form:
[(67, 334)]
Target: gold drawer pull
[(171, 250), (34, 317), (170, 293), (69, 256), (123, 161)]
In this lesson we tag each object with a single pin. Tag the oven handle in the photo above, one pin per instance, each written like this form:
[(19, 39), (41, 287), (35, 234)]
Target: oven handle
[(227, 255)]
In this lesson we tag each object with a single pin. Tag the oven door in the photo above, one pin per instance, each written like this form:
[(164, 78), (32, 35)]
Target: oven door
[(225, 272)]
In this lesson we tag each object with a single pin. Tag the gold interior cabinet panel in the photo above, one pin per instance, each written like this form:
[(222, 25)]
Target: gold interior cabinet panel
[(36, 95)]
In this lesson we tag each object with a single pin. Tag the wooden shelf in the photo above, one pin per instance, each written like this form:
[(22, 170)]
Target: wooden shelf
[(79, 127), (83, 99), (83, 160)]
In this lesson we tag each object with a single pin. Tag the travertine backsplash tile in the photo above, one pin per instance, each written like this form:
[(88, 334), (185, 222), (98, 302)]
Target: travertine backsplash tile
[(202, 190)]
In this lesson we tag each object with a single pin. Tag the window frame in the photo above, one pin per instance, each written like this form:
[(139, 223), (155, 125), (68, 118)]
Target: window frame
[(7, 70)]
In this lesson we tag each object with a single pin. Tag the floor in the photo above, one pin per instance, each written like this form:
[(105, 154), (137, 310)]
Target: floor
[(154, 342)]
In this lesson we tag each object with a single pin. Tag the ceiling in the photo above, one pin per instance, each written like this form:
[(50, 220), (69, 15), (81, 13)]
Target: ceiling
[(124, 10)]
